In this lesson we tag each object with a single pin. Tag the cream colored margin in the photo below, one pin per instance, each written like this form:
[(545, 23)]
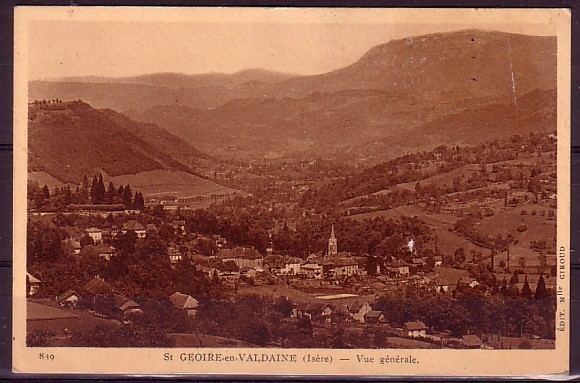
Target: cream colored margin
[(151, 361)]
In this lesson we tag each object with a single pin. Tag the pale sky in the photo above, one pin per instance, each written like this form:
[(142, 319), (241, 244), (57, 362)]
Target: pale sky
[(72, 47)]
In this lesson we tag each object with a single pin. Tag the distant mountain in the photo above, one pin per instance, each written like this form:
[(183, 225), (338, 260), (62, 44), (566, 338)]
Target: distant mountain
[(444, 66), (142, 92), (71, 139), (180, 80), (394, 93)]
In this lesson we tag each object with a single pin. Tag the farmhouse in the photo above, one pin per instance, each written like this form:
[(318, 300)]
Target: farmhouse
[(472, 341), (291, 266), (375, 317), (100, 250), (343, 267), (125, 305), (135, 226), (311, 270), (312, 310), (97, 287), (69, 299), (184, 302), (33, 284), (415, 329), (242, 257), (358, 310)]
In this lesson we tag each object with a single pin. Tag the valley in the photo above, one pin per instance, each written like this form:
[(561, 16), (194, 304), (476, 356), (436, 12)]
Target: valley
[(407, 200)]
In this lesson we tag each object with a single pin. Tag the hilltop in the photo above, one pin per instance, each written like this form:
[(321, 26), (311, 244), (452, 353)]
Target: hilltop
[(68, 140)]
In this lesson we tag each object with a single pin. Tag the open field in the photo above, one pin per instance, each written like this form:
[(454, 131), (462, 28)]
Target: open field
[(169, 183)]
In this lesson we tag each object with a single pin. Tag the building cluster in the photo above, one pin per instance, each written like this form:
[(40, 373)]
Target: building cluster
[(99, 298), (233, 264)]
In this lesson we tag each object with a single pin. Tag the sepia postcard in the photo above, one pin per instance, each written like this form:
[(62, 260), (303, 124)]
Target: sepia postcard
[(287, 191)]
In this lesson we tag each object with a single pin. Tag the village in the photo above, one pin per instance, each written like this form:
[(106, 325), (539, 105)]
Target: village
[(323, 289), (450, 248)]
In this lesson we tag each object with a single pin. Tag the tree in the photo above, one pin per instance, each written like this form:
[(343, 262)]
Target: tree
[(128, 197), (526, 291), (46, 192), (86, 240), (85, 187), (541, 291), (111, 193), (283, 306), (125, 242), (138, 201)]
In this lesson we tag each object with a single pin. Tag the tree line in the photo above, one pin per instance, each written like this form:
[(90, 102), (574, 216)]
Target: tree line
[(93, 193)]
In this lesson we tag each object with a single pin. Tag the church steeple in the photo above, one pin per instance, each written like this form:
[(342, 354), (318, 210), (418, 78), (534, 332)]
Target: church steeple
[(332, 243)]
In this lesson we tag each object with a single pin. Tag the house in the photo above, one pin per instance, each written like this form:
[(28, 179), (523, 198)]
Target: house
[(375, 317), (300, 309), (312, 310), (99, 250), (398, 268), (68, 299), (184, 302), (274, 264), (248, 272), (72, 245), (311, 270), (136, 227), (291, 266), (472, 341), (358, 310), (242, 257), (95, 234), (343, 266), (33, 284), (438, 260), (174, 254), (97, 287), (415, 329), (319, 309), (125, 305)]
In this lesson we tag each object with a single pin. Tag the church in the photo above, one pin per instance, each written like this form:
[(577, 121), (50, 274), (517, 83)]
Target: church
[(338, 264), (332, 243)]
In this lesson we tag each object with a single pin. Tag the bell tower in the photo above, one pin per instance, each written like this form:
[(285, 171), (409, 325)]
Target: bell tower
[(332, 243)]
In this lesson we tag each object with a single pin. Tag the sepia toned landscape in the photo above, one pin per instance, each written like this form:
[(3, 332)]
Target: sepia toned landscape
[(406, 200)]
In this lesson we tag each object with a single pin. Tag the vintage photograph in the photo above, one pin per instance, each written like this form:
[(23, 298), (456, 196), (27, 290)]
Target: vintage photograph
[(288, 183)]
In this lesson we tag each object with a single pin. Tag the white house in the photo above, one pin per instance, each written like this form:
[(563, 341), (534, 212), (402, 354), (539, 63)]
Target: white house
[(415, 329), (33, 284), (358, 310), (311, 270), (95, 234)]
